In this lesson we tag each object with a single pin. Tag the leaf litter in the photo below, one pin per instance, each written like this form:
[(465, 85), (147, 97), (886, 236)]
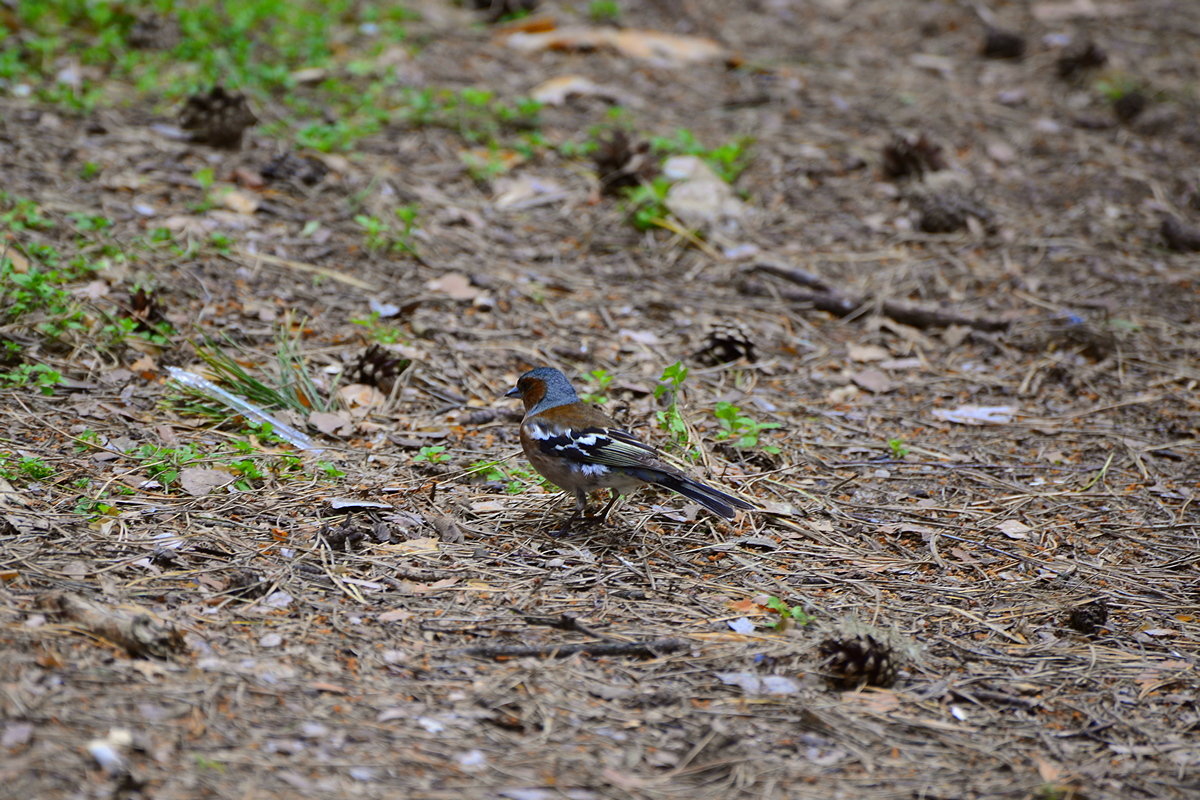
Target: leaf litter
[(985, 490)]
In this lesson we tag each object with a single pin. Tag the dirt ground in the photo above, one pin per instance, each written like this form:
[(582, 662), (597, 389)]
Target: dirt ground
[(988, 434)]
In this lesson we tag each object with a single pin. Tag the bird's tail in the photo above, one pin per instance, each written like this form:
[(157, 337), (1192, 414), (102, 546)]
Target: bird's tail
[(714, 500)]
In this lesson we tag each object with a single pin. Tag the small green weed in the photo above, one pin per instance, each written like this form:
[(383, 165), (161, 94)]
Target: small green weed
[(432, 454), (483, 167), (88, 223), (477, 115), (382, 236), (670, 419), (788, 615), (601, 378), (290, 384), (515, 479), (40, 375), (898, 448), (329, 470), (379, 331), (23, 469), (743, 430), (163, 464), (604, 11), (646, 203), (20, 213), (728, 161)]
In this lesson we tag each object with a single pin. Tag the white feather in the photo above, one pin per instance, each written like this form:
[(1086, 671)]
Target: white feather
[(538, 432)]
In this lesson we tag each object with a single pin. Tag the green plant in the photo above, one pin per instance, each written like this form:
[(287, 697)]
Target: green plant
[(1116, 86), (604, 10), (432, 454), (515, 479), (89, 222), (220, 242), (88, 440), (477, 115), (898, 448), (40, 375), (163, 464), (743, 430), (20, 213), (483, 167), (646, 203), (788, 614), (728, 161), (374, 229), (380, 235), (290, 384), (39, 292), (670, 419), (24, 469), (407, 215), (327, 469), (329, 137), (601, 378), (93, 507), (378, 331)]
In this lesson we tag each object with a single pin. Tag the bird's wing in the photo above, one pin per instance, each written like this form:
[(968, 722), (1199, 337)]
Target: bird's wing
[(611, 447)]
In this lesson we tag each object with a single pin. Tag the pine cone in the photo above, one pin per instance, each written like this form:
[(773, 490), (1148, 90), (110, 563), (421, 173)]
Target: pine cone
[(378, 367), (909, 156), (725, 342), (1090, 618), (218, 118), (856, 660), (291, 168), (622, 163), (1085, 55)]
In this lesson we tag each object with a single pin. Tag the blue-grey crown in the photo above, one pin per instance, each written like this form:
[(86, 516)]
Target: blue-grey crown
[(559, 391)]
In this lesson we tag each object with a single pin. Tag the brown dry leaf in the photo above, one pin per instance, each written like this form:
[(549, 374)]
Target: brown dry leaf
[(646, 45), (395, 615), (526, 191), (866, 352), (328, 688), (20, 264), (699, 198), (873, 380), (1047, 771), (92, 290), (199, 481), (556, 91), (241, 202), (455, 285), (331, 424), (1014, 529), (429, 544), (145, 367), (361, 396), (878, 701)]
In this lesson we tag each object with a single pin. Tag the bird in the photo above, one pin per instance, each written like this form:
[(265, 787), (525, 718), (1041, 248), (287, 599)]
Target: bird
[(580, 449)]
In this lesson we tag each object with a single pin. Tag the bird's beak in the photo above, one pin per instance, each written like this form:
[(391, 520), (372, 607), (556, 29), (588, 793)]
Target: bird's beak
[(513, 392)]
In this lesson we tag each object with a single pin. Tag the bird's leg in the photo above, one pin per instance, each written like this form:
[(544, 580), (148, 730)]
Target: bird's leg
[(580, 507), (612, 502)]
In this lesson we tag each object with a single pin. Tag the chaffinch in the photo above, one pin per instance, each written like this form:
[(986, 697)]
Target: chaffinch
[(580, 449)]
